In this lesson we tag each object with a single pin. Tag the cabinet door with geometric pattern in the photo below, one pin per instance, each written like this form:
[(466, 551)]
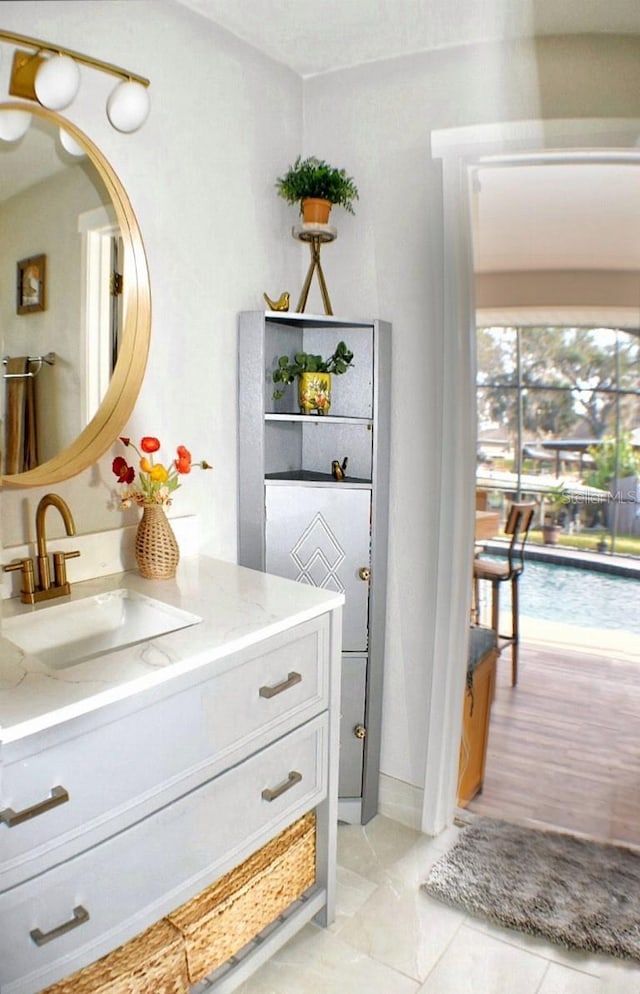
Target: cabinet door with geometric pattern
[(321, 536)]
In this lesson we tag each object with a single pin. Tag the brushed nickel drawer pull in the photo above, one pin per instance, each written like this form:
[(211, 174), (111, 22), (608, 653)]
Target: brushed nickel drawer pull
[(269, 794), (80, 915), (291, 681), (10, 817)]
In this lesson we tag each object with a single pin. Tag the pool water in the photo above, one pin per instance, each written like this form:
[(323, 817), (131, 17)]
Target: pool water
[(580, 597)]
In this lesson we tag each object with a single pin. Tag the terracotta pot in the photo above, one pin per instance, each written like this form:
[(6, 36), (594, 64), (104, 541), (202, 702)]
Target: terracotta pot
[(314, 392), (551, 534), (157, 551), (316, 211)]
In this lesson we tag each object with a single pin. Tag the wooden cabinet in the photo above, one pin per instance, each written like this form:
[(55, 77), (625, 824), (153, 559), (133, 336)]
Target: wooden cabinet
[(296, 520), (476, 713), (167, 790)]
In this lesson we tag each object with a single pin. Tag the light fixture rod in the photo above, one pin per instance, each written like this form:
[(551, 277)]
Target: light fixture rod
[(86, 60)]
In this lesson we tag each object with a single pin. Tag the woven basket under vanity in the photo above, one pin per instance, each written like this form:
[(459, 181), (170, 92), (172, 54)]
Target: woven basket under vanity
[(154, 962), (226, 916)]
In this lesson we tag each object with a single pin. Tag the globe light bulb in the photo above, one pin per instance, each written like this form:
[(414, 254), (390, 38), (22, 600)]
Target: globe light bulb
[(70, 145), (128, 106), (57, 82), (13, 124)]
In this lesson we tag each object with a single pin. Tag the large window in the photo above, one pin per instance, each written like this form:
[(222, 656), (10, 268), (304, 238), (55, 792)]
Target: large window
[(561, 406)]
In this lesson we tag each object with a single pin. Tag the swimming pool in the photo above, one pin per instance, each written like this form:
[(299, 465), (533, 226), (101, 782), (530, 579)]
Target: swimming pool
[(579, 597)]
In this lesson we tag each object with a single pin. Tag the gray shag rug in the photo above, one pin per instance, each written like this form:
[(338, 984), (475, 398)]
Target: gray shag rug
[(580, 894)]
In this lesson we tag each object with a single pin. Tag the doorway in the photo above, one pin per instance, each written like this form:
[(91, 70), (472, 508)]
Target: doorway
[(461, 151)]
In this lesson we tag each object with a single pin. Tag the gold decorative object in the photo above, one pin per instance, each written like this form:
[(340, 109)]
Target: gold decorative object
[(316, 235), (157, 551), (281, 304), (339, 469)]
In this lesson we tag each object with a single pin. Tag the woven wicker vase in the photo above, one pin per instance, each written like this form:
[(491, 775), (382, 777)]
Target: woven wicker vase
[(157, 552)]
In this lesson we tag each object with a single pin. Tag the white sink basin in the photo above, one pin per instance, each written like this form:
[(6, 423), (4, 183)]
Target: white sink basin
[(62, 635)]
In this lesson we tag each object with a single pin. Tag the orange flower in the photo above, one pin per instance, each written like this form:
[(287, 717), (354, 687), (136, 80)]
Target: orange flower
[(183, 462), (149, 444)]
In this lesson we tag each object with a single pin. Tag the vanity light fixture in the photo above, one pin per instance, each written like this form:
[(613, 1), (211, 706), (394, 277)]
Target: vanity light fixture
[(50, 75)]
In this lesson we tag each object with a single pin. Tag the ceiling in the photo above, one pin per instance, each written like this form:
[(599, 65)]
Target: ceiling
[(319, 36)]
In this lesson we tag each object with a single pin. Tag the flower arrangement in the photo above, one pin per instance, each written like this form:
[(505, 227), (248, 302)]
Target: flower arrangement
[(156, 481)]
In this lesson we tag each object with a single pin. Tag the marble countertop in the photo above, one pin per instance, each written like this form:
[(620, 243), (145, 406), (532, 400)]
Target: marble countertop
[(239, 608)]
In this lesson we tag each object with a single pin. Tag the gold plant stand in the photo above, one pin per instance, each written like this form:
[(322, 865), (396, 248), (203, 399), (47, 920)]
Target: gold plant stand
[(316, 235)]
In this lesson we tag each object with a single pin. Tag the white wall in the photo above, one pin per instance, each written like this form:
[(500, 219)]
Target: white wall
[(225, 122)]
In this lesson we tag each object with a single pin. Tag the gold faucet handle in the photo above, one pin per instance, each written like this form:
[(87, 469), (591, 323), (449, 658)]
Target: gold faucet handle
[(60, 567), (28, 579)]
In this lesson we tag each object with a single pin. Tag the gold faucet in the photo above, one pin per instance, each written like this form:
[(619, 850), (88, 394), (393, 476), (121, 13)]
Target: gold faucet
[(44, 590)]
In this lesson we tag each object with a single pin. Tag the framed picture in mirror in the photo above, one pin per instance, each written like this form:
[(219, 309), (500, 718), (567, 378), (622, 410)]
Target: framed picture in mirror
[(31, 285)]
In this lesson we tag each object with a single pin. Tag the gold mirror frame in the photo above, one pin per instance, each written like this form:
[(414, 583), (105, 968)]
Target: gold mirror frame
[(125, 383)]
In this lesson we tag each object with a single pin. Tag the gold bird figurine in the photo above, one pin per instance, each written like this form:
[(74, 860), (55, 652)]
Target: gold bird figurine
[(281, 304), (339, 469)]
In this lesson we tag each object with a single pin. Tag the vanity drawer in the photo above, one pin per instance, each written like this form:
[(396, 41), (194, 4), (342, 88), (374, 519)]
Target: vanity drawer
[(133, 879), (119, 767)]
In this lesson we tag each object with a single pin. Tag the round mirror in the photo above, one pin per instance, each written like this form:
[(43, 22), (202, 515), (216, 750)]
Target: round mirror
[(74, 300)]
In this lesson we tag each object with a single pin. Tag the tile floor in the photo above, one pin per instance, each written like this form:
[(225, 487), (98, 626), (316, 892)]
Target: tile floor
[(389, 937)]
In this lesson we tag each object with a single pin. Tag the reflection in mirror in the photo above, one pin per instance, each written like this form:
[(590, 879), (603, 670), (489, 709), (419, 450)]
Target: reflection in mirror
[(54, 204)]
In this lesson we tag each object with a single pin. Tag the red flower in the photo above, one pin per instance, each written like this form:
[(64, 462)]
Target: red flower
[(149, 444), (125, 440), (183, 462), (124, 472)]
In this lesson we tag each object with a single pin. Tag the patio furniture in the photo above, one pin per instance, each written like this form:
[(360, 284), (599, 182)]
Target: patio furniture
[(497, 572)]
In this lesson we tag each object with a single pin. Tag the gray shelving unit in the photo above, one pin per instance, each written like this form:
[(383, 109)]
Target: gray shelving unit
[(296, 520)]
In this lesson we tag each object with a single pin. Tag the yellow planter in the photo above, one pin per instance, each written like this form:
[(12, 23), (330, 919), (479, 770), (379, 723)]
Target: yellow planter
[(314, 392)]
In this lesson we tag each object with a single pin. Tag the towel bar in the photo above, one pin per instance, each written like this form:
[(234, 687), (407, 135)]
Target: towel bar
[(49, 358)]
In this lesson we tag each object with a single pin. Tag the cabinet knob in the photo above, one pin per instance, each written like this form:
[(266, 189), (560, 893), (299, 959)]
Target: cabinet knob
[(364, 573), (360, 731)]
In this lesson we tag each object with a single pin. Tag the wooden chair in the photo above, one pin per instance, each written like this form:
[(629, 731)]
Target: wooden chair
[(497, 572)]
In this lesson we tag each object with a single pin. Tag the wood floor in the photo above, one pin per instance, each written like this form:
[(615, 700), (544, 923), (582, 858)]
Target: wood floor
[(564, 744)]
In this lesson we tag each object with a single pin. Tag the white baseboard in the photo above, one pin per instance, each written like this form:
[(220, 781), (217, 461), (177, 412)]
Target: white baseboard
[(400, 801)]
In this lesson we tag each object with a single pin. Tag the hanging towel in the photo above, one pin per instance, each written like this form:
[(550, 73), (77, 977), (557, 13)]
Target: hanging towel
[(20, 417)]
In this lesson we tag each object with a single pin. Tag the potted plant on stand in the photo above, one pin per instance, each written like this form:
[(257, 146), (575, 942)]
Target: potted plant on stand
[(314, 377), (557, 499), (317, 186)]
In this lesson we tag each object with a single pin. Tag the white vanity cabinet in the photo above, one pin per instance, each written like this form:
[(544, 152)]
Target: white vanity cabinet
[(139, 805)]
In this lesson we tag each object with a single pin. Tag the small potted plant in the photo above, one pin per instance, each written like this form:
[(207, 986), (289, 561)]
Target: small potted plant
[(314, 377), (316, 186), (557, 499)]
